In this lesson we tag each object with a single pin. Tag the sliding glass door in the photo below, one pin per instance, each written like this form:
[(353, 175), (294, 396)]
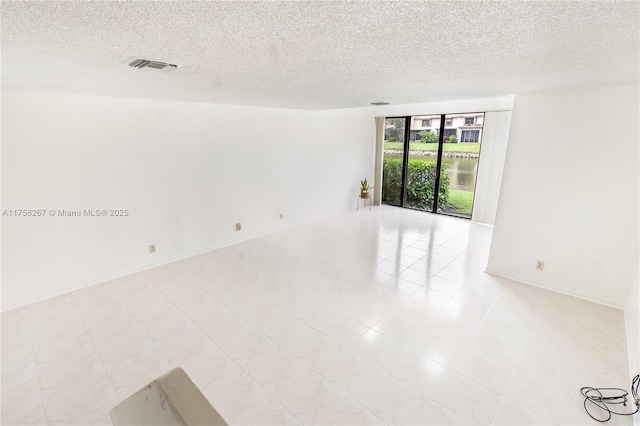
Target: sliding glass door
[(393, 161), (422, 165), (461, 155), (431, 161)]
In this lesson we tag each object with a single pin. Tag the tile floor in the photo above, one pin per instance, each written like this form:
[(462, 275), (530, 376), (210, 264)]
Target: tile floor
[(367, 317)]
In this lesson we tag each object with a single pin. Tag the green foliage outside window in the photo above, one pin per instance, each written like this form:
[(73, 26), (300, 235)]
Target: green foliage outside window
[(421, 179), (428, 137)]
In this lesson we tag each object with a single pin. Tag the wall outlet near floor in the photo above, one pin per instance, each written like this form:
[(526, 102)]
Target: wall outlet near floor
[(281, 215), (539, 265), (238, 226), (152, 248)]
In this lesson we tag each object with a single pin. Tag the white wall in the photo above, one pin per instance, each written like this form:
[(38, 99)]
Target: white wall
[(492, 151), (445, 107), (187, 172), (491, 164), (632, 326), (569, 193)]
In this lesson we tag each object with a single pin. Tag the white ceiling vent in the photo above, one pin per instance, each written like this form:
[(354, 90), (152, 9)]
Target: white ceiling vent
[(141, 63)]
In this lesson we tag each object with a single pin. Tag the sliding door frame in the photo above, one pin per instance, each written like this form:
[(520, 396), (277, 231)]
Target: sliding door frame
[(436, 188)]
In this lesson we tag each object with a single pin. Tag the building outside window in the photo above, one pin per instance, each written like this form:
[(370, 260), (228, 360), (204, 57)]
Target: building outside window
[(448, 122), (426, 123), (469, 121)]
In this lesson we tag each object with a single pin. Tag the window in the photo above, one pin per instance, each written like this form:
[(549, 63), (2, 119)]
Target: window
[(432, 176), (468, 121), (449, 132), (470, 136)]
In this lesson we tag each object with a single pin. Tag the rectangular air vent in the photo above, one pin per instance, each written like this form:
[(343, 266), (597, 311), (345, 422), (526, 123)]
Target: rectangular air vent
[(150, 64)]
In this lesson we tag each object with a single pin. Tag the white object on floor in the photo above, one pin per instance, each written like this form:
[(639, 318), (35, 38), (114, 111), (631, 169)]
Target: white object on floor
[(171, 399)]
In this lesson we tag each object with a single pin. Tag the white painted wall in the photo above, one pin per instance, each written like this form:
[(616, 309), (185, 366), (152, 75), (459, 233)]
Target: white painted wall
[(632, 327), (569, 193), (469, 105), (492, 154), (187, 172)]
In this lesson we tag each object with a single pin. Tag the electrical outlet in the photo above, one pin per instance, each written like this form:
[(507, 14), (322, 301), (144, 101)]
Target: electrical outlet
[(539, 265), (238, 226), (281, 216), (152, 248)]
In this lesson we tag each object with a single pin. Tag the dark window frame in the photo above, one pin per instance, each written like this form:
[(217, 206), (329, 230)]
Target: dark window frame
[(441, 136)]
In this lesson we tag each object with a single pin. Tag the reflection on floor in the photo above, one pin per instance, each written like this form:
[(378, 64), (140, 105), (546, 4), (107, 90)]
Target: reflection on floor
[(382, 316)]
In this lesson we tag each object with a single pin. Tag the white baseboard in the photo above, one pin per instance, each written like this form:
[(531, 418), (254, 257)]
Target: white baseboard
[(577, 294)]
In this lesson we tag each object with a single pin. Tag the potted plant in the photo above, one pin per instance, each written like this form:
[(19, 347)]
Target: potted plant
[(364, 188)]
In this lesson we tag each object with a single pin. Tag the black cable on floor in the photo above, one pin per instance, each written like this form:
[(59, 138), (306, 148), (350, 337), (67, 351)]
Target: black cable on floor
[(603, 397)]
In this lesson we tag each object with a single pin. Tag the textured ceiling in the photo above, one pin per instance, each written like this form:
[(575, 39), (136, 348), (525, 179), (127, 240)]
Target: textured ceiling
[(318, 55)]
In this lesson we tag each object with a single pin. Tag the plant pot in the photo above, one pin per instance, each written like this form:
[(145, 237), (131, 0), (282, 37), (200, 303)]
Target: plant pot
[(364, 194)]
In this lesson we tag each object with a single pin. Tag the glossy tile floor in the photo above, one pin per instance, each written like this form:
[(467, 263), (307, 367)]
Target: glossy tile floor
[(367, 317)]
